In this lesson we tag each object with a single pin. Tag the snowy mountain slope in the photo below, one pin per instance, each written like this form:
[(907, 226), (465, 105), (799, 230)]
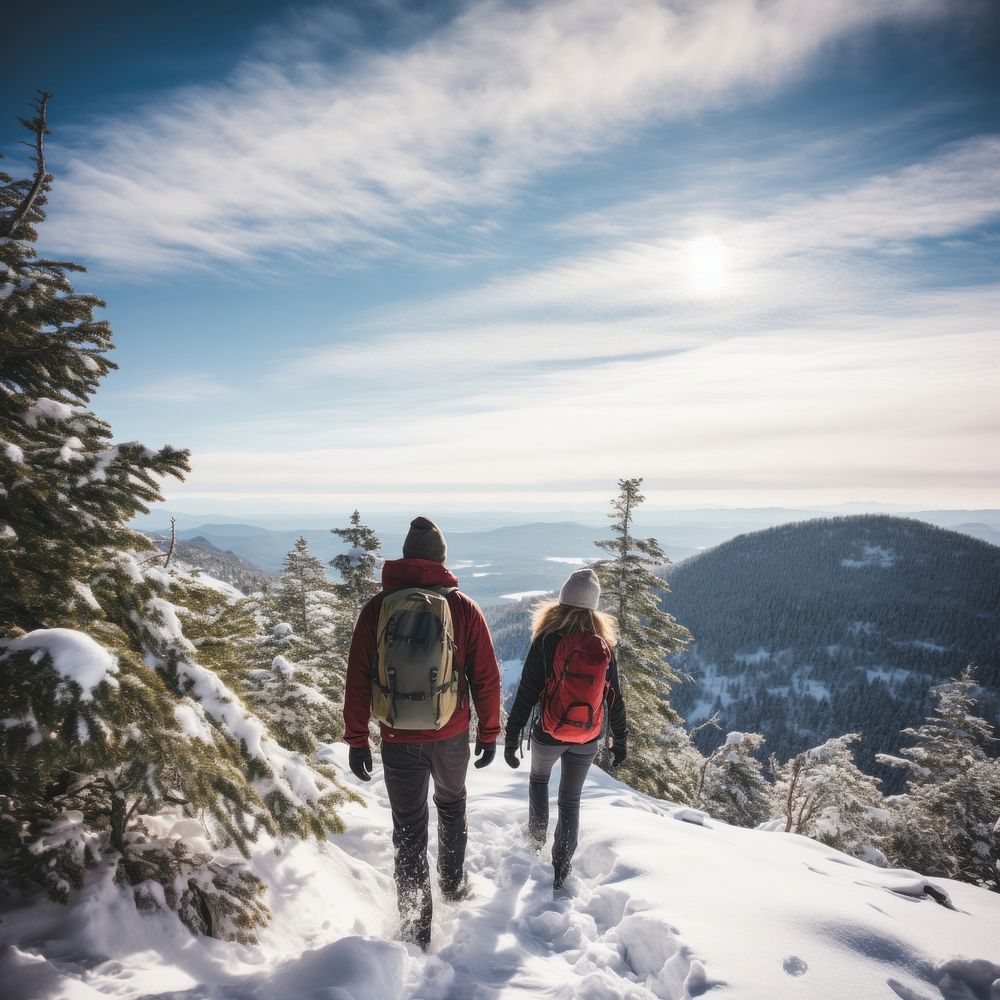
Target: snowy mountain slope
[(668, 903), (200, 554)]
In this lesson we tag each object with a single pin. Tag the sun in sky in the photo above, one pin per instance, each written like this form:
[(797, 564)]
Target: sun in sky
[(708, 263)]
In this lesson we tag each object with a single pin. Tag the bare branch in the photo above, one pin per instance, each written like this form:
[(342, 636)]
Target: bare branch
[(170, 551), (39, 125), (173, 541)]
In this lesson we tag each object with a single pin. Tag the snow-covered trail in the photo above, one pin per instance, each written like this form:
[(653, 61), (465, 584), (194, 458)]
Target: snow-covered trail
[(667, 903)]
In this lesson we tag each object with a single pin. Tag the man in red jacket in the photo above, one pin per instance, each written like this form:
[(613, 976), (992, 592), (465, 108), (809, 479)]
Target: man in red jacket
[(410, 758)]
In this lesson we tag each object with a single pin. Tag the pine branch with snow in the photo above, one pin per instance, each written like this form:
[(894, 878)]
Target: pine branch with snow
[(211, 895)]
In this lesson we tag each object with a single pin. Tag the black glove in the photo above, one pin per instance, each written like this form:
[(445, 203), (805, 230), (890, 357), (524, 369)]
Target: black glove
[(510, 755), (485, 752), (360, 760), (619, 751)]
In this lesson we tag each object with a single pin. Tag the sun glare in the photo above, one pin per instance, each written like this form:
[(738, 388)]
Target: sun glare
[(707, 263)]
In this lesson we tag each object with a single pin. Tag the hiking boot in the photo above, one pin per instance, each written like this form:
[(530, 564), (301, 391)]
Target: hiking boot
[(562, 873), (456, 892), (415, 914), (417, 929), (534, 838)]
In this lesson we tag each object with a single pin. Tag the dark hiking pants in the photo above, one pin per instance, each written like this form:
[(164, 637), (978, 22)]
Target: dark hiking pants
[(576, 761), (408, 768)]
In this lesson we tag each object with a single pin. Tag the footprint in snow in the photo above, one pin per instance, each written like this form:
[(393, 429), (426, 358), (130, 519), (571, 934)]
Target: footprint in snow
[(794, 965), (817, 871)]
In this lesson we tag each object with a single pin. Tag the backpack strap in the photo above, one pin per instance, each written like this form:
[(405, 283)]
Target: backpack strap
[(566, 721)]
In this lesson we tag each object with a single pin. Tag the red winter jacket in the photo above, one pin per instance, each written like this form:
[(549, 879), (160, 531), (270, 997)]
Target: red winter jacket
[(474, 651)]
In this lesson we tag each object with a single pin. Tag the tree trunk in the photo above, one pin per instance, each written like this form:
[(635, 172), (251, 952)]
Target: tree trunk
[(788, 801), (119, 821)]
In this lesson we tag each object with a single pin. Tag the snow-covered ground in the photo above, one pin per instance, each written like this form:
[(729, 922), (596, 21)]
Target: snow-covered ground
[(872, 555), (666, 903)]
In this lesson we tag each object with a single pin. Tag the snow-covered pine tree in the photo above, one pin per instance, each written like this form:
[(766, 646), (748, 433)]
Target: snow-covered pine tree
[(224, 635), (358, 569), (678, 780), (66, 491), (821, 793), (947, 823), (733, 786), (118, 741), (647, 635), (303, 605), (300, 698), (304, 597)]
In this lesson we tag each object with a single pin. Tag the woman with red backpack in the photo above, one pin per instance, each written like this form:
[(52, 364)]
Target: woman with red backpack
[(570, 676)]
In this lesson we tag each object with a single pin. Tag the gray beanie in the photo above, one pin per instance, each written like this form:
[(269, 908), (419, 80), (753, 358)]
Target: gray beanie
[(424, 541), (581, 590)]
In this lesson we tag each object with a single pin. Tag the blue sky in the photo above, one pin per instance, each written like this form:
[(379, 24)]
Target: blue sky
[(500, 254)]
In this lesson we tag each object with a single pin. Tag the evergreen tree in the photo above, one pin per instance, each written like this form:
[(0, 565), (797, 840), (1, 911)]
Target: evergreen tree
[(300, 699), (358, 569), (120, 740), (304, 597), (66, 491), (647, 634), (733, 787), (303, 622), (948, 820), (679, 776), (821, 793)]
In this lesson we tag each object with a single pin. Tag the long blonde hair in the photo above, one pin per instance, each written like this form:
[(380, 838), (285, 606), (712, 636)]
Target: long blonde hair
[(551, 616)]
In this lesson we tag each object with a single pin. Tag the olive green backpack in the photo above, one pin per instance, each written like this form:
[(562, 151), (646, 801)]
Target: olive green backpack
[(414, 681)]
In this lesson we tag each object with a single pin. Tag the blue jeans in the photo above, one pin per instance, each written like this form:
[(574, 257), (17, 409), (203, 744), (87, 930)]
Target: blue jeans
[(576, 761)]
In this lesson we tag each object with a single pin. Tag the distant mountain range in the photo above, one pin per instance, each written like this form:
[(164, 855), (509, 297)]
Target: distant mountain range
[(810, 630), (802, 631), (494, 563), (505, 563)]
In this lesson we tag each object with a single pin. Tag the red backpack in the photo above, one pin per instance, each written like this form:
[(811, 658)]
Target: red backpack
[(573, 699)]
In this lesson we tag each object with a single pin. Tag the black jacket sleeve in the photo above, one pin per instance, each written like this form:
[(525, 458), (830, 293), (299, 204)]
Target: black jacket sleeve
[(616, 704), (529, 690)]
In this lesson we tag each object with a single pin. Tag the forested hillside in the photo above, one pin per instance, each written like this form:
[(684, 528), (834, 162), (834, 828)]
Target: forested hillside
[(810, 630)]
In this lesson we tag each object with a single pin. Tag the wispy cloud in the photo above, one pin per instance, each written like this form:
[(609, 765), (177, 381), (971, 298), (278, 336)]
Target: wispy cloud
[(683, 280), (872, 408), (193, 387), (291, 155), (799, 250)]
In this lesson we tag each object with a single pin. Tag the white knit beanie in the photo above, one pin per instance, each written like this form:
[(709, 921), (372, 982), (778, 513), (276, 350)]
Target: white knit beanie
[(581, 590)]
